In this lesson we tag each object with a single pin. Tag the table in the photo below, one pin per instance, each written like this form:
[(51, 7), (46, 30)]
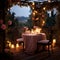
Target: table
[(30, 41)]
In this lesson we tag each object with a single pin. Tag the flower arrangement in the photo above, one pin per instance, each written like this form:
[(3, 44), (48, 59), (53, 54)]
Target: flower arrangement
[(3, 26), (9, 26)]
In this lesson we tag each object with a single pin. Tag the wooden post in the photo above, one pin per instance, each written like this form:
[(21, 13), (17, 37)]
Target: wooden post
[(2, 16)]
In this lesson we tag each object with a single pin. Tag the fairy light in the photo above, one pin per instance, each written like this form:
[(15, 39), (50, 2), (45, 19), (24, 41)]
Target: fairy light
[(43, 22), (33, 13), (44, 8), (37, 18), (33, 3)]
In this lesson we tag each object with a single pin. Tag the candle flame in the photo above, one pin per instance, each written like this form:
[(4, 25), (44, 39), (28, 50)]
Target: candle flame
[(54, 40), (17, 45), (12, 46)]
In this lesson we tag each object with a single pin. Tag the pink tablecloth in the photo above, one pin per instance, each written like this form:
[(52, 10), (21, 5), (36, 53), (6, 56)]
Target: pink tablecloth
[(30, 41)]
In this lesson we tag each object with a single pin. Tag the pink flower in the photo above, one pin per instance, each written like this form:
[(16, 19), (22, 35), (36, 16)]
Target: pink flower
[(9, 22), (43, 16), (3, 26), (1, 21)]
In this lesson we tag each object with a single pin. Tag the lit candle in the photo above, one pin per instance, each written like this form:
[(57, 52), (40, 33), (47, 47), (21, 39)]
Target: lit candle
[(17, 47), (54, 42), (9, 44), (12, 48), (32, 31)]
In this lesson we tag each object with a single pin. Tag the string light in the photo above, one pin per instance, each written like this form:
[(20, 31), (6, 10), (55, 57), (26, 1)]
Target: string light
[(37, 18), (44, 8), (33, 13), (49, 0), (33, 3), (43, 22)]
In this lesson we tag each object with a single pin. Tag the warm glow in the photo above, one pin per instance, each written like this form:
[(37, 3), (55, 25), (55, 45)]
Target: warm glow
[(27, 31), (32, 31), (54, 41), (43, 22), (44, 8), (17, 45), (49, 47), (33, 3), (37, 18), (33, 13), (9, 43), (33, 8), (36, 30), (12, 46)]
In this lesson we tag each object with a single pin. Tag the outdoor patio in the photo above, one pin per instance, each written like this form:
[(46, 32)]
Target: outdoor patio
[(24, 32), (43, 55), (39, 56)]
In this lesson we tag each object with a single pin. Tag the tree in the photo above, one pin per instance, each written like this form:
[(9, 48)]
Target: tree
[(11, 26), (50, 23)]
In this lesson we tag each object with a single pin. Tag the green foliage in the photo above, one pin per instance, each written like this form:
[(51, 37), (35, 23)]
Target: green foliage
[(12, 29), (50, 21), (29, 23)]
